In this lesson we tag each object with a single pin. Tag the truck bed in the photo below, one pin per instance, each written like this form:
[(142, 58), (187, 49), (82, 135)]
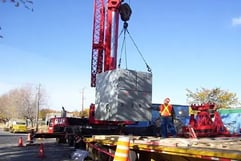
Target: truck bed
[(218, 148)]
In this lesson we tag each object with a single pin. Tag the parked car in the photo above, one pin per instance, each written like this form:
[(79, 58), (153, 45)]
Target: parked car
[(17, 125)]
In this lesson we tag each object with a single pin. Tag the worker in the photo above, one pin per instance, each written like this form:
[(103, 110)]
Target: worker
[(166, 114)]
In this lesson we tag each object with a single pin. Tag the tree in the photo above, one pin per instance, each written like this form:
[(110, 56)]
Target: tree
[(44, 111), (21, 103), (26, 103), (84, 113), (0, 34), (5, 114), (222, 98), (8, 104), (26, 3)]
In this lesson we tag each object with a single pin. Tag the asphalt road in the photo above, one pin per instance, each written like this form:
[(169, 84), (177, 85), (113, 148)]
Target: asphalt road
[(11, 151)]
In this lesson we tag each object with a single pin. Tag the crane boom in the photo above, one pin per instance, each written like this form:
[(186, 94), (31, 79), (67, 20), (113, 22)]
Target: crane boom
[(105, 37)]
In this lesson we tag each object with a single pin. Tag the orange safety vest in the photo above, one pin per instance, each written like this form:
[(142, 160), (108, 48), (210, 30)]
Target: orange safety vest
[(165, 110)]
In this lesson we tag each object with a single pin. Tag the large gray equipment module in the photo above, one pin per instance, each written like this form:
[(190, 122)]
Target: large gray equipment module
[(123, 95)]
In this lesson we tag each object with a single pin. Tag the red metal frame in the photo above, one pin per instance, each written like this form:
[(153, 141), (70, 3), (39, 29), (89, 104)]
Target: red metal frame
[(98, 40), (111, 35), (203, 125), (100, 150), (105, 37)]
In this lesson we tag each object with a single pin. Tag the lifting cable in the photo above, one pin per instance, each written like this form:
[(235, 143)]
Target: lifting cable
[(147, 66), (122, 48), (125, 12)]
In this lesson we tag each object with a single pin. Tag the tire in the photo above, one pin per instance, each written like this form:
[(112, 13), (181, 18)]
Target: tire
[(60, 140), (70, 141), (11, 130)]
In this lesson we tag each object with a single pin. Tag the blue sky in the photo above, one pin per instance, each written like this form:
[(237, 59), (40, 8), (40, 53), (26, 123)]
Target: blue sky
[(188, 44)]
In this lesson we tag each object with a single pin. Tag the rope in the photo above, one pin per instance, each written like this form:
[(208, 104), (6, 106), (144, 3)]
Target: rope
[(101, 150)]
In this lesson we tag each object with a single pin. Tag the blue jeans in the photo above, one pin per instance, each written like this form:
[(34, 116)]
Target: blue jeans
[(167, 125)]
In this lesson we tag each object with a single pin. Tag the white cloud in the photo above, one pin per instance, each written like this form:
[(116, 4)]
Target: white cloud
[(236, 21)]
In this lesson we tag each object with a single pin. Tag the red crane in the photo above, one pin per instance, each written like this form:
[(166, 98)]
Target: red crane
[(105, 35)]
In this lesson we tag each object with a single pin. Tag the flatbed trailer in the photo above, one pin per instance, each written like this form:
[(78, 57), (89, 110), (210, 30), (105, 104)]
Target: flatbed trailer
[(167, 149), (70, 133), (49, 135), (59, 136)]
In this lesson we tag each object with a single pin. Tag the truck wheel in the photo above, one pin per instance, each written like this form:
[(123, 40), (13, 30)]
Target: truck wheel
[(60, 140), (57, 140), (70, 141)]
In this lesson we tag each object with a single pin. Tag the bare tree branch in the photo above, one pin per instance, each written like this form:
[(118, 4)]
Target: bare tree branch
[(28, 4)]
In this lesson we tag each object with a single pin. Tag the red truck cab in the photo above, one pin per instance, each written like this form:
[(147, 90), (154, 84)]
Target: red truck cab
[(57, 124)]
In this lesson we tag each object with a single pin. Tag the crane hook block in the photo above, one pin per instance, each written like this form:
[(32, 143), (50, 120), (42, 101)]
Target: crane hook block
[(125, 12)]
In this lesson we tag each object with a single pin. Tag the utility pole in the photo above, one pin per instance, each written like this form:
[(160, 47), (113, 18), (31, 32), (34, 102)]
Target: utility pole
[(82, 111), (37, 107)]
